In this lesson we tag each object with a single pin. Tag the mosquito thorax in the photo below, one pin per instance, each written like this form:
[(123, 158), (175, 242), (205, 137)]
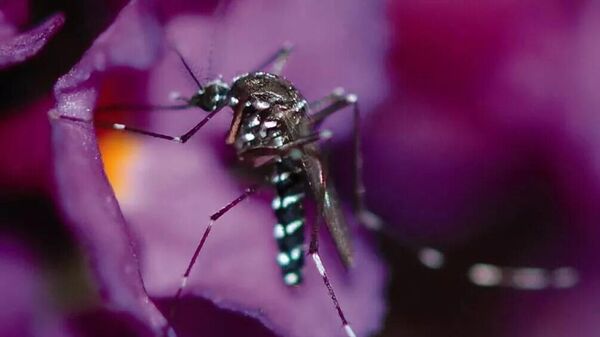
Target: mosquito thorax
[(214, 95)]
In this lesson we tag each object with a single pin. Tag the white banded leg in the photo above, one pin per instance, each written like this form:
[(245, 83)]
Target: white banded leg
[(328, 105), (213, 218), (520, 278), (321, 268), (125, 128)]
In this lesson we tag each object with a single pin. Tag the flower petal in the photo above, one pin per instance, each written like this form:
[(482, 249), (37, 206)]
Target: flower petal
[(86, 196), (26, 309), (172, 191), (306, 311), (19, 48)]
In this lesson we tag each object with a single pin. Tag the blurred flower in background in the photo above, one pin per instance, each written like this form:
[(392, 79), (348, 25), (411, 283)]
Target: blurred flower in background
[(493, 159), (478, 140)]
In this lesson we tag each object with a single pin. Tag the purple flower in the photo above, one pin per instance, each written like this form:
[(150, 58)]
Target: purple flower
[(16, 48), (27, 309), (167, 191), (25, 148), (492, 155)]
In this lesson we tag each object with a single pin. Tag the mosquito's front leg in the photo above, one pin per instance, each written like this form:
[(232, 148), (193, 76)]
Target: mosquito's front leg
[(125, 128)]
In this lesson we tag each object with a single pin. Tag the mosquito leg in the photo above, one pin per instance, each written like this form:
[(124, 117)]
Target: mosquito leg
[(277, 60), (336, 95), (484, 275), (140, 107), (314, 253), (298, 143), (518, 278), (125, 128), (188, 69), (522, 278), (213, 218), (328, 105)]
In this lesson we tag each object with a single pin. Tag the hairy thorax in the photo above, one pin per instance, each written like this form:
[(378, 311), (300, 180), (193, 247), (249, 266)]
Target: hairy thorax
[(270, 112)]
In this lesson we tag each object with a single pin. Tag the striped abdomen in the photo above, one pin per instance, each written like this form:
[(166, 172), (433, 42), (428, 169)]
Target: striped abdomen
[(288, 180)]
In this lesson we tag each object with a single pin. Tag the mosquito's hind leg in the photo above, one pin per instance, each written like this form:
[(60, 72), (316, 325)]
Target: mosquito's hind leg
[(522, 278), (325, 107), (277, 61), (480, 274), (316, 257)]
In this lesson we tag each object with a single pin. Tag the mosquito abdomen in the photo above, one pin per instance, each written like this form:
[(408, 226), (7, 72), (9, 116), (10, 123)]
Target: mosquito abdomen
[(289, 231)]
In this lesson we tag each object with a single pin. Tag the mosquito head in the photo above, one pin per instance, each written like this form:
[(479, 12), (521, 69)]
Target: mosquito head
[(213, 96)]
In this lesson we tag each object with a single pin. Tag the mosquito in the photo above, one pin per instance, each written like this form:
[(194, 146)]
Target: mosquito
[(274, 129)]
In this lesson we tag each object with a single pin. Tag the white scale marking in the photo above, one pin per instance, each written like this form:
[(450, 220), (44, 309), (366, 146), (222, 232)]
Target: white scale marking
[(351, 98), (261, 105), (327, 200), (290, 278), (431, 258), (276, 204), (293, 226), (254, 121), (249, 137), (283, 259), (485, 275), (296, 253), (233, 101), (326, 134), (321, 269), (278, 232), (524, 278), (349, 330), (291, 199), (281, 177), (319, 264), (270, 124), (184, 281)]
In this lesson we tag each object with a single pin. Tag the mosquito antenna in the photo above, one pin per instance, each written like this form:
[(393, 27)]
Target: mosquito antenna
[(189, 70), (219, 13)]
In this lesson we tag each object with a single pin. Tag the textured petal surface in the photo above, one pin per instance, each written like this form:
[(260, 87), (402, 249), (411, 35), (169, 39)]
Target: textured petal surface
[(16, 49), (87, 198), (169, 205)]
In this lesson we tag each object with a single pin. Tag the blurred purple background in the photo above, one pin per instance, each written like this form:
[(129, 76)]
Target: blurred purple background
[(479, 139)]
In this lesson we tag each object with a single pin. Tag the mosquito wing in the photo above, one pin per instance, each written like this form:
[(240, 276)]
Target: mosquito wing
[(329, 206)]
